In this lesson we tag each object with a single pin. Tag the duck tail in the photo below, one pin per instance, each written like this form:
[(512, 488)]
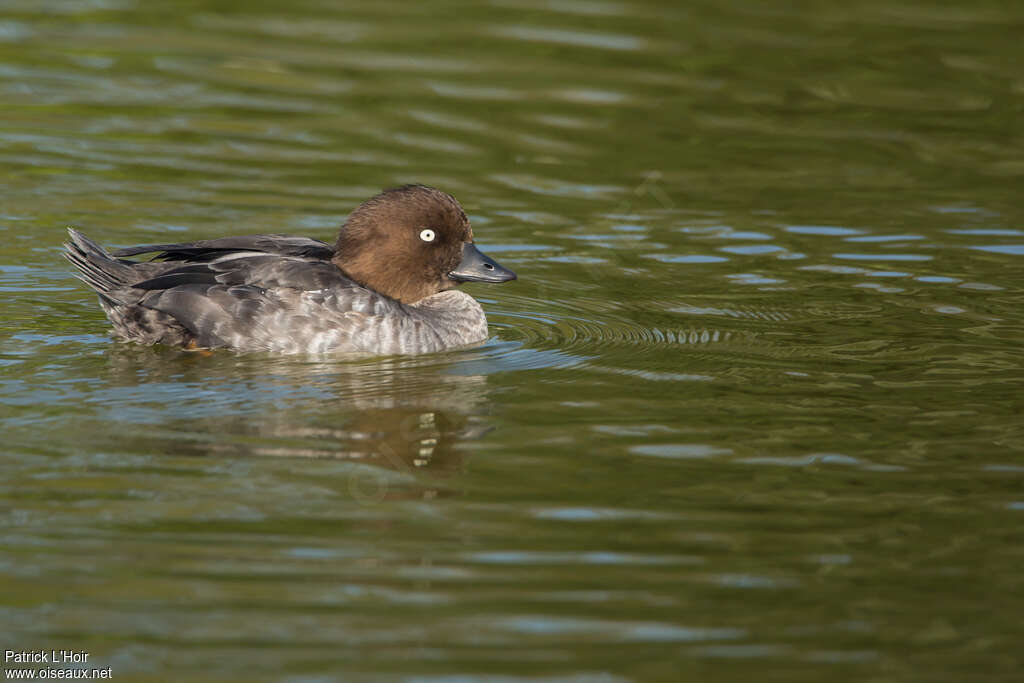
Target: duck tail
[(95, 266)]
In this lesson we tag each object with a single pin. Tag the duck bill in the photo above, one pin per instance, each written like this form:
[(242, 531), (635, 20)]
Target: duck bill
[(478, 267)]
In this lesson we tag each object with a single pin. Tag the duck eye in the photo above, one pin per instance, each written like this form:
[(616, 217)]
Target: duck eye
[(427, 235)]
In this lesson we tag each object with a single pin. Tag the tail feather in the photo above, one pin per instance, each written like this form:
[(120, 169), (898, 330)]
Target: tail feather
[(96, 267)]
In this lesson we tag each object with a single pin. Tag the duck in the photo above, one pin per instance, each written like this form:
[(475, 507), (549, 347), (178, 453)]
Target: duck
[(387, 286)]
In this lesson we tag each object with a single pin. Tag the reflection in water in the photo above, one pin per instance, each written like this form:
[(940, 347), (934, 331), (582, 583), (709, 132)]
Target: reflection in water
[(406, 414)]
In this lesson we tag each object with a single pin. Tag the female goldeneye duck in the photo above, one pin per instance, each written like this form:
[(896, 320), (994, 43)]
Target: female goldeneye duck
[(387, 286)]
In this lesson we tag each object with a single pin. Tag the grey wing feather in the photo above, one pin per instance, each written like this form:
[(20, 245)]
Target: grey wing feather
[(203, 250), (261, 270), (216, 315)]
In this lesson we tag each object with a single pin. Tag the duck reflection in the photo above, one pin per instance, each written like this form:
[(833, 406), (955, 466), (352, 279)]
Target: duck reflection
[(407, 414)]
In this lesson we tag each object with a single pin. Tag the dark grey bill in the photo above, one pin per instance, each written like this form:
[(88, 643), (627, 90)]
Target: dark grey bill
[(477, 267)]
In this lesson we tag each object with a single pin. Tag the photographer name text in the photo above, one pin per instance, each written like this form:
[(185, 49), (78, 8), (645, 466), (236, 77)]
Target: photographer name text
[(46, 656)]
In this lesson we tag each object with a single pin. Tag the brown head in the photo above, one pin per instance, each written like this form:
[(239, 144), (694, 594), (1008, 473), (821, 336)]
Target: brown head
[(411, 242)]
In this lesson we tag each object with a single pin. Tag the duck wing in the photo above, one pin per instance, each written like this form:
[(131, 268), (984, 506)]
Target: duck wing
[(253, 301), (261, 292), (253, 269), (206, 250)]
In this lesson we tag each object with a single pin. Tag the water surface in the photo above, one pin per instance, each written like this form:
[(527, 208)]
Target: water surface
[(752, 410)]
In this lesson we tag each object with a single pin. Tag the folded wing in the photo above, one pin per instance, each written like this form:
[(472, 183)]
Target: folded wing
[(204, 250), (246, 293)]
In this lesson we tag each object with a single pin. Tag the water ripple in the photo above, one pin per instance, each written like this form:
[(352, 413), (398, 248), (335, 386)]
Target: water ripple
[(607, 41), (574, 333)]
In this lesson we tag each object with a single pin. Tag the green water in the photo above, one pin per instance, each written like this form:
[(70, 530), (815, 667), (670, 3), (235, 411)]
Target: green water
[(753, 410)]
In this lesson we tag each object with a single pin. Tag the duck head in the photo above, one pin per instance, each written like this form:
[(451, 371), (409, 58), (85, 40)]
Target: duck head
[(411, 242)]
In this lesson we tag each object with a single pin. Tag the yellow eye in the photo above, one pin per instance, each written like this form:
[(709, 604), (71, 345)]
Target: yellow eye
[(427, 235)]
